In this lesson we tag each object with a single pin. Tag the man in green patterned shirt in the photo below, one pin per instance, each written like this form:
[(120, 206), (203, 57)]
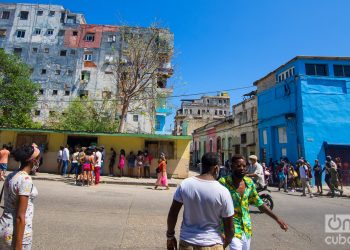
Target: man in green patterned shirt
[(243, 194)]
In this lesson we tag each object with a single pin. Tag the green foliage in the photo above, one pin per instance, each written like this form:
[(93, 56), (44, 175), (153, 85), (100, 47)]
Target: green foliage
[(85, 115), (17, 92)]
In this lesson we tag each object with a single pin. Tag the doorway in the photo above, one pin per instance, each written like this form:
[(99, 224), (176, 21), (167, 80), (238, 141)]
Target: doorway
[(83, 141)]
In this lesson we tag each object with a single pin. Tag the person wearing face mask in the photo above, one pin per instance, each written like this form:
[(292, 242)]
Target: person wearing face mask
[(207, 204), (16, 221), (243, 192)]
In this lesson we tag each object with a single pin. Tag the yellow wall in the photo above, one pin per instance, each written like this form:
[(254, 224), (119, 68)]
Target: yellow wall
[(177, 167)]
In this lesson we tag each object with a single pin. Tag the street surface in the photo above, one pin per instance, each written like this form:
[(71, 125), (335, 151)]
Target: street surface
[(112, 216)]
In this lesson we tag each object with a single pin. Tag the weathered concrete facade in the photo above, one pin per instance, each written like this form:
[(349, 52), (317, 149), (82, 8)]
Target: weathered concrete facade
[(236, 134), (196, 113), (70, 58)]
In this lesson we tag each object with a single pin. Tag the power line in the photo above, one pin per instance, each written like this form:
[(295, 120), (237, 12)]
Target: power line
[(139, 99)]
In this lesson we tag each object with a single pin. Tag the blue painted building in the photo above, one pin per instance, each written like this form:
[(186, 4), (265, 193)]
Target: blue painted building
[(304, 110)]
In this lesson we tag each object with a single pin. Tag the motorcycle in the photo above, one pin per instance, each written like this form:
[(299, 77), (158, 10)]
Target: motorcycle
[(266, 198)]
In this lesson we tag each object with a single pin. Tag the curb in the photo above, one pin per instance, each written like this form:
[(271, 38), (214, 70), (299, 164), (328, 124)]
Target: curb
[(105, 182)]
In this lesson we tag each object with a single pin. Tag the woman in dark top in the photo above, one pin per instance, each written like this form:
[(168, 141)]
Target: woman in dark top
[(318, 176), (339, 170)]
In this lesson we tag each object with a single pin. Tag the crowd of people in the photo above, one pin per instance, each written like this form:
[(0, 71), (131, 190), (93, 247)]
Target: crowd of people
[(290, 177), (87, 164)]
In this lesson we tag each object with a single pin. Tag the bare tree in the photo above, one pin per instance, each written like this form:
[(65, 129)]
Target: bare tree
[(138, 68)]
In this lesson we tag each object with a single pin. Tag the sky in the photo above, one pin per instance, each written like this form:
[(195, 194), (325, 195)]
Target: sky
[(228, 44)]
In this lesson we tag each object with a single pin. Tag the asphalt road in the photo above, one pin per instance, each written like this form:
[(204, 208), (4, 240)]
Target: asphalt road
[(134, 217)]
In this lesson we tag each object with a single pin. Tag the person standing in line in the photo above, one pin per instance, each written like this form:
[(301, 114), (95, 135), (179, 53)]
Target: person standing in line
[(207, 205), (292, 175), (147, 165), (139, 164), (74, 166), (304, 178), (87, 167), (334, 178), (340, 171), (162, 176), (16, 230), (59, 160), (4, 158), (98, 164), (81, 160), (131, 163), (243, 193), (65, 160), (112, 162), (103, 152), (121, 163), (318, 176)]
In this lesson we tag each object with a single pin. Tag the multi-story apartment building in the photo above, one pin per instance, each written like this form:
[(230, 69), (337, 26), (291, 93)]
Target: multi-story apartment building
[(70, 58), (235, 134), (303, 110), (195, 113)]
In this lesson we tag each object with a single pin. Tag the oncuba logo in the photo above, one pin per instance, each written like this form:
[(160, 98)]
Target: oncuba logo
[(338, 225)]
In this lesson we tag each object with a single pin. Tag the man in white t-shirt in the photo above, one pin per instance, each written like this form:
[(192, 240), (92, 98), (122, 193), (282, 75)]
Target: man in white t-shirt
[(256, 171), (207, 205), (65, 160), (98, 157), (304, 178)]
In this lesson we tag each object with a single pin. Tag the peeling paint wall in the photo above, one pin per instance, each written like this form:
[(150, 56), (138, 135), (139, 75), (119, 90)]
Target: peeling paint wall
[(55, 44)]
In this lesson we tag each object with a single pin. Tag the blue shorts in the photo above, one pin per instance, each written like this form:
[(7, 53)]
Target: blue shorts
[(3, 166)]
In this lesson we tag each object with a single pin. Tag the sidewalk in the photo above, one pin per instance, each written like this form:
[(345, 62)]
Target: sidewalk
[(108, 180)]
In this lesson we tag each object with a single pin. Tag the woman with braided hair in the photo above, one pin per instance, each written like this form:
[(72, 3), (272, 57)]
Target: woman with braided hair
[(16, 229)]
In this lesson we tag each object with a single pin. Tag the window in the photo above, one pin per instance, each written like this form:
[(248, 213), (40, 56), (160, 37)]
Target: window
[(229, 143), (83, 93), (85, 75), (88, 57), (243, 138), (72, 52), (23, 15), (37, 32), (211, 146), (71, 19), (5, 15), (49, 32), (46, 50), (220, 112), (54, 92), (39, 13), (237, 149), (17, 51), (106, 94), (43, 71), (61, 32), (37, 112), (190, 111), (316, 69), (2, 32), (67, 93), (20, 33), (57, 72), (90, 37), (51, 13), (111, 38), (41, 91), (341, 70), (282, 135), (63, 52), (265, 137), (154, 148), (75, 33), (135, 118), (70, 72), (284, 152), (35, 50), (198, 112), (216, 112)]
